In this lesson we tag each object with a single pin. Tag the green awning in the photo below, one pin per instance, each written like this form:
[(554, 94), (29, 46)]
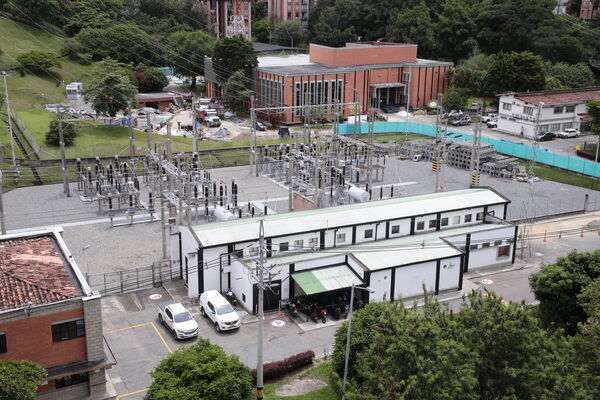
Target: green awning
[(326, 279)]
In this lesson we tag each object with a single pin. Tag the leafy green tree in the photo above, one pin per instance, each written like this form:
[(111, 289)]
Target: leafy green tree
[(93, 14), (150, 79), (19, 380), (235, 90), (593, 110), (231, 55), (557, 286), (37, 62), (200, 372), (69, 133), (413, 25), (109, 87), (455, 98), (589, 301), (572, 75), (194, 14), (556, 40), (455, 30), (324, 33), (289, 33), (472, 74), (259, 11), (187, 51), (516, 72), (50, 11), (261, 30)]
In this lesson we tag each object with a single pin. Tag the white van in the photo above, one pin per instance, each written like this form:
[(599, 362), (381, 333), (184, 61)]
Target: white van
[(214, 306)]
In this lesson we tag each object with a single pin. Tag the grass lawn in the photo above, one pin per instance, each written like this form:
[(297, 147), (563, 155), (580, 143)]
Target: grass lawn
[(559, 175), (399, 138), (321, 371)]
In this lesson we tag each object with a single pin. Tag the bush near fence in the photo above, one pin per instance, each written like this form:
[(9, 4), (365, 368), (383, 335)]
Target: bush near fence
[(278, 369)]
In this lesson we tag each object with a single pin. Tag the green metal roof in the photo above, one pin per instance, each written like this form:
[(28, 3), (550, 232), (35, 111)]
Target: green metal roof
[(326, 279)]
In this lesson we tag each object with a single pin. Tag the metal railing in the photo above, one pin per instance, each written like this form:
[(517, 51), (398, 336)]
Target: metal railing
[(122, 281)]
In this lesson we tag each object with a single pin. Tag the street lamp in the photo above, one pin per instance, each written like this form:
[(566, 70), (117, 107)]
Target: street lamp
[(368, 289)]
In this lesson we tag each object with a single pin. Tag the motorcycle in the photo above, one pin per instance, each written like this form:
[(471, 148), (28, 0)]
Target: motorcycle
[(231, 298), (293, 309), (323, 314)]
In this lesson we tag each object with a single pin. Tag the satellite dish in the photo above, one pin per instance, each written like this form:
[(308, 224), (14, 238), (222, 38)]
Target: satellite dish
[(433, 104)]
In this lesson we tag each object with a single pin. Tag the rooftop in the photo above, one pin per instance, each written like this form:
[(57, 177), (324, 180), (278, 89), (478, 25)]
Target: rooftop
[(33, 269), (242, 230), (563, 96)]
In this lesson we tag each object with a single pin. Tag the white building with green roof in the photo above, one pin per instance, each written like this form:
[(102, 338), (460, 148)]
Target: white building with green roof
[(393, 246)]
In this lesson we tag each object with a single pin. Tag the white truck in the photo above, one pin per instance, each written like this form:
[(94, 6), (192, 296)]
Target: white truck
[(177, 319)]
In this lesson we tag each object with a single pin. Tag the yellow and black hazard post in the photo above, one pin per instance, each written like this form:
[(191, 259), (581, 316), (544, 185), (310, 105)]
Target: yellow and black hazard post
[(435, 165), (475, 178)]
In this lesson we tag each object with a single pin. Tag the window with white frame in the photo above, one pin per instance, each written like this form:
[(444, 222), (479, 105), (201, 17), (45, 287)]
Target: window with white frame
[(368, 233), (479, 216), (567, 125), (544, 128), (503, 251), (253, 251), (444, 221), (555, 127), (340, 238), (432, 223), (406, 77), (395, 229), (284, 246), (298, 244), (456, 220), (468, 218), (313, 242), (528, 110), (558, 110), (507, 106), (570, 109), (420, 225)]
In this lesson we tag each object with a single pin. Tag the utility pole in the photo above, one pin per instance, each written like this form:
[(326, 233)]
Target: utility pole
[(194, 127), (149, 130), (370, 151), (475, 176), (131, 142), (259, 358), (10, 128), (63, 159), (163, 225), (2, 220), (437, 163), (253, 157), (535, 141)]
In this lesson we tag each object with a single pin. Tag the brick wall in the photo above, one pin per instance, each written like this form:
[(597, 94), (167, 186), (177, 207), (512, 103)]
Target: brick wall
[(30, 338), (93, 328), (367, 55)]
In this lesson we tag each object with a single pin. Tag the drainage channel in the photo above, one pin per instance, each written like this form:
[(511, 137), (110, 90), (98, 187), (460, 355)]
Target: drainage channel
[(18, 140)]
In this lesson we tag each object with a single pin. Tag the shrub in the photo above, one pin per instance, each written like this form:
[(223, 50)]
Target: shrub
[(35, 62), (278, 369), (69, 133)]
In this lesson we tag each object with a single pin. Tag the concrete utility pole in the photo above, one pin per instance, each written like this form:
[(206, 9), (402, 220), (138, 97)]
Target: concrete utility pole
[(10, 128), (194, 127), (475, 176), (131, 142), (370, 151), (253, 158), (437, 164), (2, 220), (149, 130), (63, 159), (261, 322)]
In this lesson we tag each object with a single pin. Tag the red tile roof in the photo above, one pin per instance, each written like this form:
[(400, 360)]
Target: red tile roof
[(564, 96), (34, 270)]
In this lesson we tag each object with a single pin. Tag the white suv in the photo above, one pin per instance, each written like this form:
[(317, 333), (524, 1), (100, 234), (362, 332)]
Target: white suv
[(568, 133), (214, 306)]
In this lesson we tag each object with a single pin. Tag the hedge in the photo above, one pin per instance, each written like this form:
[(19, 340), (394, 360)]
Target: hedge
[(278, 369)]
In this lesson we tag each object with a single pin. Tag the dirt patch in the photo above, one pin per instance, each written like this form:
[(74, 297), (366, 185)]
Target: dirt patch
[(300, 386)]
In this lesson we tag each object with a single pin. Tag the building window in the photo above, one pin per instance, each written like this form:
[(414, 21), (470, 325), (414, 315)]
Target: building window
[(473, 247), (485, 245), (406, 77), (395, 229), (313, 242), (555, 127), (444, 221), (497, 242), (567, 125), (340, 238), (507, 106), (3, 348), (420, 225), (468, 218), (570, 109), (432, 223), (503, 251), (558, 110), (253, 251), (284, 246), (544, 128), (368, 233), (456, 220), (299, 244), (479, 216), (68, 330), (71, 380), (528, 110)]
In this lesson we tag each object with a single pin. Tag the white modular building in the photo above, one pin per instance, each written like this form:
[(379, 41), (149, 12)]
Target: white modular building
[(545, 111), (394, 246)]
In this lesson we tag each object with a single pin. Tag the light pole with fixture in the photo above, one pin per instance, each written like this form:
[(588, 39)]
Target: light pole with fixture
[(368, 289)]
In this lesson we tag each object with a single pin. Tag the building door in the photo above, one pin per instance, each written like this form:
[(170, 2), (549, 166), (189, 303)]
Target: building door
[(272, 296)]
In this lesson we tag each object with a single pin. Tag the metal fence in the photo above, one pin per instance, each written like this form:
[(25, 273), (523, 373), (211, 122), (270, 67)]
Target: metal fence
[(526, 152), (132, 279), (26, 134)]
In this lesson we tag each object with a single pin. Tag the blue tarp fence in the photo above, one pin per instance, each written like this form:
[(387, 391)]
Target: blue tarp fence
[(526, 152)]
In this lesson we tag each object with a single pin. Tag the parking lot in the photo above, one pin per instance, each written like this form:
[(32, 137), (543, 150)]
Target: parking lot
[(139, 342)]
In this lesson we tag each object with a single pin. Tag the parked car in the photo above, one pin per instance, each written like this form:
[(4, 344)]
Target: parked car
[(215, 307), (260, 126), (177, 319), (474, 107), (544, 136), (568, 133), (492, 123), (453, 114), (213, 121), (488, 117), (464, 120)]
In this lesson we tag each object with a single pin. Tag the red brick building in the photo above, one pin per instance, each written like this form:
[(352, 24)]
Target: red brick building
[(289, 10), (49, 315), (590, 9)]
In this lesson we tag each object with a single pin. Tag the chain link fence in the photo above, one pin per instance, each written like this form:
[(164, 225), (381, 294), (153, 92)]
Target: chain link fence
[(133, 279)]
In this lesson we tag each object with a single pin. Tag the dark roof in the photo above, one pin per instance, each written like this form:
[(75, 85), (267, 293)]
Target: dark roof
[(563, 96), (272, 48), (33, 269)]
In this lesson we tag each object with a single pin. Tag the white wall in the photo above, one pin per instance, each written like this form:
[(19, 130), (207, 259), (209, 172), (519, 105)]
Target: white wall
[(320, 262), (426, 219), (360, 233), (449, 273), (404, 227), (189, 246), (356, 266), (381, 283), (241, 284), (488, 256), (410, 279)]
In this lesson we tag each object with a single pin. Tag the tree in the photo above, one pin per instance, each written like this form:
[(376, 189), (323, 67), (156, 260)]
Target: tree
[(261, 30), (231, 55), (589, 301), (194, 14), (19, 380), (289, 33), (413, 25), (556, 40), (455, 30), (572, 75), (472, 74), (516, 72), (187, 51), (109, 87), (200, 372), (150, 79), (260, 11), (593, 110), (235, 90), (69, 133), (557, 285), (36, 62), (455, 98)]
